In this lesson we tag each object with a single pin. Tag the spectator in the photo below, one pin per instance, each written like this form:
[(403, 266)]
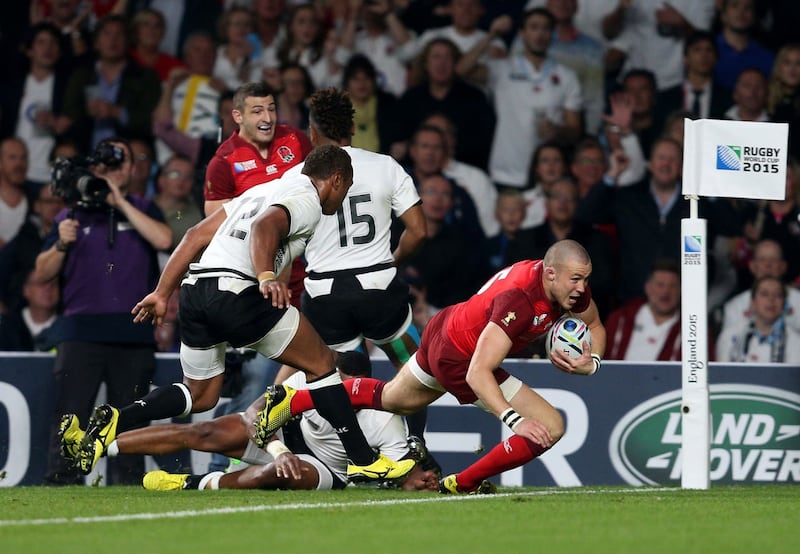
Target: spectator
[(191, 93), (764, 337), (14, 192), (549, 163), (269, 29), (653, 35), (648, 329), (199, 150), (674, 125), (647, 216), (768, 261), (106, 261), (309, 43), (376, 122), (618, 135), (421, 310), (698, 93), (737, 48), (29, 327), (144, 168), (469, 177), (589, 166), (584, 55), (148, 27), (525, 120), (234, 64), (376, 31), (183, 17), (638, 94), (749, 97), (445, 248), (590, 16), (71, 18), (464, 32), (174, 197), (509, 212), (18, 258), (783, 99), (427, 154), (114, 96), (31, 105), (561, 201), (439, 89), (295, 89), (779, 220)]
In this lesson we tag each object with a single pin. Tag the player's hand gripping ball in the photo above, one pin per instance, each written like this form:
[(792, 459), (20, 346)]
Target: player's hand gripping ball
[(568, 335)]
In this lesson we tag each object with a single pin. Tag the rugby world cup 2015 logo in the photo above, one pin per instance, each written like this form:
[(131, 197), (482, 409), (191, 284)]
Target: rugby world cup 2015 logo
[(729, 157), (755, 437)]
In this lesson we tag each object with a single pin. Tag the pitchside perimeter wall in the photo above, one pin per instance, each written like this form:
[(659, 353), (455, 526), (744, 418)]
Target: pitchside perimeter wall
[(623, 425)]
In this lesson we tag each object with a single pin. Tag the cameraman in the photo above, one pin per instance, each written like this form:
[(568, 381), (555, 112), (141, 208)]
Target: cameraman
[(105, 254)]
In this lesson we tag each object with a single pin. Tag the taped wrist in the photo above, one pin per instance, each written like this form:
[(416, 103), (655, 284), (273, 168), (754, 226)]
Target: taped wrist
[(597, 363), (511, 418), (276, 448)]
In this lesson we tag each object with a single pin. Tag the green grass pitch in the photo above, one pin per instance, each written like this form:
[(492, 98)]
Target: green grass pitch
[(122, 520)]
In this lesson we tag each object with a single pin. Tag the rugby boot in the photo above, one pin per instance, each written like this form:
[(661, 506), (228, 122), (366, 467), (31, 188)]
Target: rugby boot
[(275, 414)]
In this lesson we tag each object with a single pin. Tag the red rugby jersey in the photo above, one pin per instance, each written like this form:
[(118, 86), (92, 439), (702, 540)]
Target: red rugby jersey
[(514, 299)]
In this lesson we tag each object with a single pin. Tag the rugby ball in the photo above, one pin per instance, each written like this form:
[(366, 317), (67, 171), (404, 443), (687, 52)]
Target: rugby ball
[(568, 335)]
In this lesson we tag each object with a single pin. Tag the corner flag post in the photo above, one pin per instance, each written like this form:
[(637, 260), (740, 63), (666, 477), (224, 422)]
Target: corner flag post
[(695, 409), (725, 159)]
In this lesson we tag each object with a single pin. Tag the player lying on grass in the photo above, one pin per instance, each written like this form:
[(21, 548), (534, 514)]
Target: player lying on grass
[(313, 459), (461, 351)]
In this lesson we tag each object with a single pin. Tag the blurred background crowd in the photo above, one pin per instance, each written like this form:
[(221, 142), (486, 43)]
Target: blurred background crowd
[(521, 122)]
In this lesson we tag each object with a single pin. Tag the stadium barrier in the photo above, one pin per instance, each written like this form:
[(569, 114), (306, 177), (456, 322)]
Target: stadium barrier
[(623, 426)]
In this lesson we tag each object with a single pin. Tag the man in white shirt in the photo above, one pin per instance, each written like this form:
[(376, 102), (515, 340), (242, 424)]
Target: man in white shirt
[(649, 329), (536, 98), (13, 196)]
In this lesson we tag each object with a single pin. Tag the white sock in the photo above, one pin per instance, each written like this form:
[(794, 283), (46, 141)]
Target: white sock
[(112, 450)]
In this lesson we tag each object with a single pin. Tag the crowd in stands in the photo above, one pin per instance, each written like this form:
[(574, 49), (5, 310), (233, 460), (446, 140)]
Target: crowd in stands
[(521, 122)]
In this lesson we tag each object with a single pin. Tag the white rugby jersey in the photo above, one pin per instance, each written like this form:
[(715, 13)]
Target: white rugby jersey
[(384, 431), (358, 234), (229, 250)]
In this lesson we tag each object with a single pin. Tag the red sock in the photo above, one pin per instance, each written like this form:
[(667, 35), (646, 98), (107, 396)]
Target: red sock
[(364, 392), (512, 452)]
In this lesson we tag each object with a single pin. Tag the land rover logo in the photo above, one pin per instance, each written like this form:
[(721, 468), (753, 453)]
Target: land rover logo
[(755, 437)]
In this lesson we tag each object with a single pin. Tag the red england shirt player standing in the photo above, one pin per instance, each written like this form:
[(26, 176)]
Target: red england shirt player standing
[(461, 351), (260, 151)]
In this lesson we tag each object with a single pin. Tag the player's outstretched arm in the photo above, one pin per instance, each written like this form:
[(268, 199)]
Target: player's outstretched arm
[(196, 238)]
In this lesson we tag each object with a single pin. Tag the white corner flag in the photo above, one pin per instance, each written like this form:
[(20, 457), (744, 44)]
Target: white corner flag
[(729, 159)]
